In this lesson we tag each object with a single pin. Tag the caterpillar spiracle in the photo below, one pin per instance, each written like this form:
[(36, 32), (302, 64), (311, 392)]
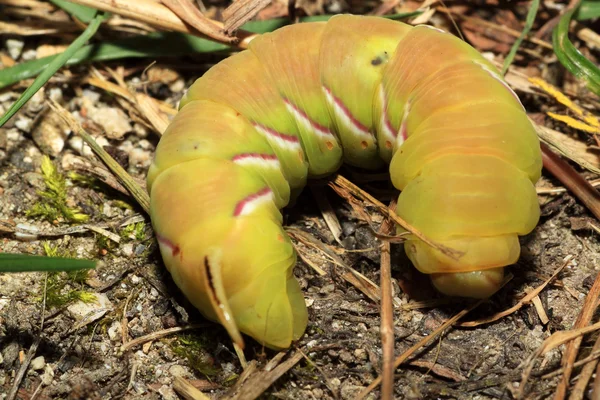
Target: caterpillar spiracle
[(298, 103)]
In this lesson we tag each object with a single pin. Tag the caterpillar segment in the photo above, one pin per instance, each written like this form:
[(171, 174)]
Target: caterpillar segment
[(301, 100)]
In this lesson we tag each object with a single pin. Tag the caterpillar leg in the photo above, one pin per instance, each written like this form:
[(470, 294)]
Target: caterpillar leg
[(476, 284), (481, 264)]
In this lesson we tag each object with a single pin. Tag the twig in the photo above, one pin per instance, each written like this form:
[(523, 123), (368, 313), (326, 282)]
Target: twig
[(358, 192), (580, 387), (157, 15), (581, 188), (421, 343), (497, 27), (555, 340), (185, 10), (327, 212), (585, 316), (159, 334), (387, 314), (241, 11), (187, 390), (258, 382), (136, 191), (525, 300)]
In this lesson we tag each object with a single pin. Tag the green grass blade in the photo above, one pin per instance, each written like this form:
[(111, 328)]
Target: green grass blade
[(588, 10), (571, 58), (30, 263), (533, 9), (154, 45), (83, 13), (54, 66)]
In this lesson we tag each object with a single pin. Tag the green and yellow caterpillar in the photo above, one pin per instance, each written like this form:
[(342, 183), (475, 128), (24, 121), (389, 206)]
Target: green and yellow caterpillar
[(298, 103)]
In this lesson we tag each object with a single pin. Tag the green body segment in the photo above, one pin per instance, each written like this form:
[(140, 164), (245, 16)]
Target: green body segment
[(300, 101)]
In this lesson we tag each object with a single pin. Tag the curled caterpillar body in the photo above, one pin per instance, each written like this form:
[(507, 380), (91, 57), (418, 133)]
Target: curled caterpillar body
[(298, 103)]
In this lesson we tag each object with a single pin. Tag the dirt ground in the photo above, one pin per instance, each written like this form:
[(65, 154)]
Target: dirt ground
[(87, 318)]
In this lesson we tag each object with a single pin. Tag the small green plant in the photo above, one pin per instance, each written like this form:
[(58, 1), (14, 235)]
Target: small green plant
[(60, 288), (192, 348), (53, 205), (134, 231)]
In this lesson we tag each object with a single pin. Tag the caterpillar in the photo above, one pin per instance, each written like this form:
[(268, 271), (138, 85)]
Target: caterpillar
[(300, 101)]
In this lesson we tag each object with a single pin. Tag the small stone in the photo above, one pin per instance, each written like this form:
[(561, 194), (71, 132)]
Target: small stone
[(114, 332), (113, 121), (327, 289), (346, 357), (335, 383), (35, 180), (47, 376), (140, 158), (127, 249), (167, 393), (38, 363), (14, 47), (55, 94), (77, 144), (10, 353), (91, 95), (178, 370), (349, 391), (24, 124), (29, 55), (360, 354), (90, 310), (50, 133)]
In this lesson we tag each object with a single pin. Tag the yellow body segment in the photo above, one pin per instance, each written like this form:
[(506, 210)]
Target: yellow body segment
[(362, 89)]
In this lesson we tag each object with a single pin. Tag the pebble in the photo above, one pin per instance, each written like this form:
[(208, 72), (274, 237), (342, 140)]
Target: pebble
[(140, 158), (114, 332), (38, 363), (349, 391), (14, 47), (81, 310), (24, 124), (113, 121), (50, 133), (178, 370), (10, 353), (29, 55), (360, 354), (335, 383), (47, 376), (77, 144), (167, 393), (127, 249)]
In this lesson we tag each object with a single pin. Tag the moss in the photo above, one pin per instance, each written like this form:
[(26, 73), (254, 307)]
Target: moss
[(122, 205), (134, 231), (191, 347), (53, 201), (65, 287)]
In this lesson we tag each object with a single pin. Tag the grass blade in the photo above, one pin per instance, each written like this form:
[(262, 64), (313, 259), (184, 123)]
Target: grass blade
[(588, 10), (571, 58), (162, 44), (31, 263), (83, 13), (535, 5), (53, 66)]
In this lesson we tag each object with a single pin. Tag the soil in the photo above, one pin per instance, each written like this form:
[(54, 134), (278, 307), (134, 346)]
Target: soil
[(79, 353)]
